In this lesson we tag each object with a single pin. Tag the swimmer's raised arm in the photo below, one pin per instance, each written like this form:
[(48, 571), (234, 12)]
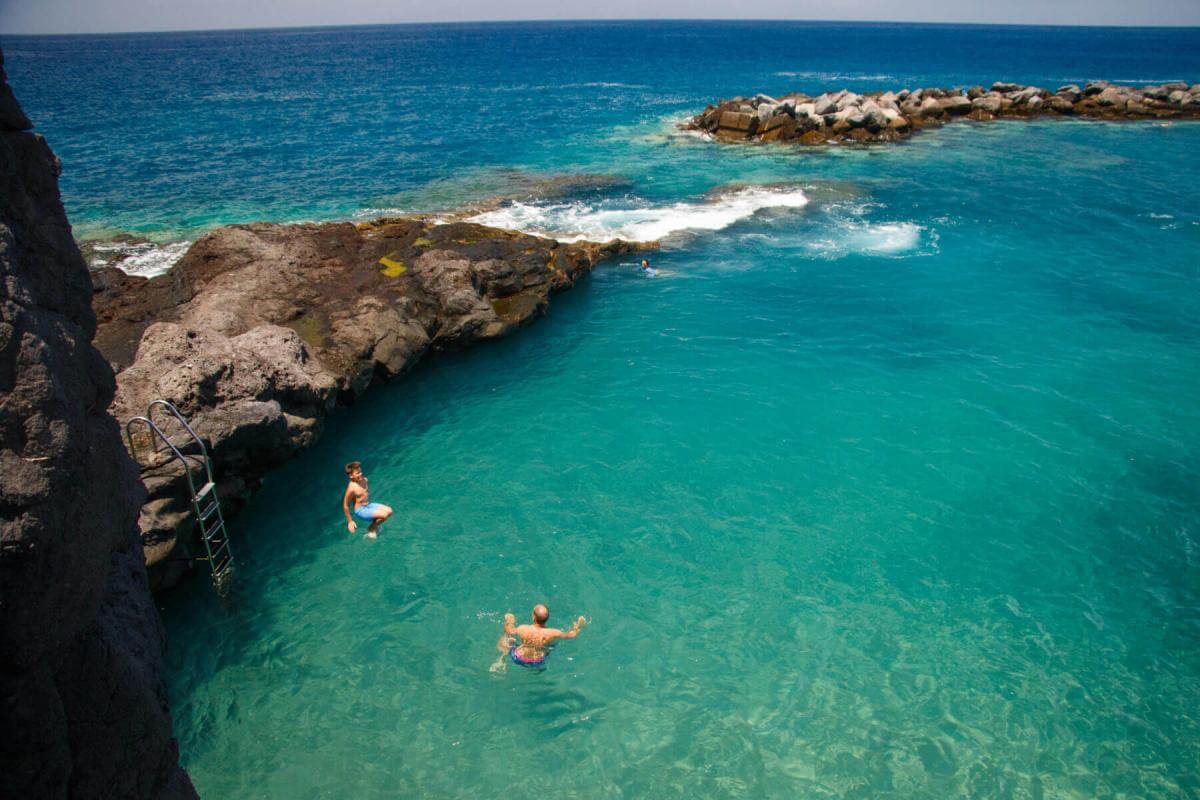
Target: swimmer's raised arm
[(571, 634), (510, 623)]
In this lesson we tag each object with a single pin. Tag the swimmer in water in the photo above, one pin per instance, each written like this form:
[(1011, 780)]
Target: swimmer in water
[(535, 640), (358, 499), (646, 268)]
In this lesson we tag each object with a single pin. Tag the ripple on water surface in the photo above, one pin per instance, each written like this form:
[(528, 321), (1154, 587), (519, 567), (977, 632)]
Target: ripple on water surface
[(889, 489), (911, 513)]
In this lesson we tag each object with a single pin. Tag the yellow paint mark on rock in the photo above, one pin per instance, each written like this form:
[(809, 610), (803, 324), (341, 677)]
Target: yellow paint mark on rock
[(393, 266), (421, 241)]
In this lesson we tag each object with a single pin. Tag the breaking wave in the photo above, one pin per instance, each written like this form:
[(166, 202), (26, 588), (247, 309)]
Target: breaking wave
[(579, 220), (833, 239), (140, 258)]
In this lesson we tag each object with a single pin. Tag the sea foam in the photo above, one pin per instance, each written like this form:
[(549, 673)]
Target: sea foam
[(579, 220), (142, 258), (894, 239)]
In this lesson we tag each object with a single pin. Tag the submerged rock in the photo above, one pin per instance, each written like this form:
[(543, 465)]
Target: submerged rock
[(260, 331)]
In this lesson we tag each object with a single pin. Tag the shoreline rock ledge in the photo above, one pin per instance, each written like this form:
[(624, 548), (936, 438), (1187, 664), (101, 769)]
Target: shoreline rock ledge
[(847, 117), (260, 331)]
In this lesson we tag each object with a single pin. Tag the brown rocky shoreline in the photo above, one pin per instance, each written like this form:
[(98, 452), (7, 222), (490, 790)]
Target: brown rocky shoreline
[(261, 331), (845, 117)]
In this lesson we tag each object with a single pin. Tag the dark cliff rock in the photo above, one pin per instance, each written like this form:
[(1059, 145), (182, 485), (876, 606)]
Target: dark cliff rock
[(83, 710), (845, 117), (260, 331)]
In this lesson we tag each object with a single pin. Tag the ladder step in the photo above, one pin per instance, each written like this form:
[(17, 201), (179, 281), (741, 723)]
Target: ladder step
[(205, 489), (216, 533), (212, 509)]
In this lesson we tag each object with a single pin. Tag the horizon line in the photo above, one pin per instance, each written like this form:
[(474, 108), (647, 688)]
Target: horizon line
[(327, 26)]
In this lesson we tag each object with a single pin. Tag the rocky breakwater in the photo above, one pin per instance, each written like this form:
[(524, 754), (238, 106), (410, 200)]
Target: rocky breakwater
[(847, 117), (261, 331), (83, 709)]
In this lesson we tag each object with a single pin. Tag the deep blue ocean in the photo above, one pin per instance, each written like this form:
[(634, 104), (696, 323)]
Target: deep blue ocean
[(887, 485)]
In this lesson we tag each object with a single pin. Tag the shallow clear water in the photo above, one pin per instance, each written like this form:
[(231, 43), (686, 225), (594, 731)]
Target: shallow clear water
[(892, 493)]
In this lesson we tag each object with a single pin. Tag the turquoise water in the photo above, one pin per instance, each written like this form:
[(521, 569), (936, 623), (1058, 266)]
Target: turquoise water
[(892, 493)]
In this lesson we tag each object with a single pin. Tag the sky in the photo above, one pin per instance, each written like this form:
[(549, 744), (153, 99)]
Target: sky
[(102, 16)]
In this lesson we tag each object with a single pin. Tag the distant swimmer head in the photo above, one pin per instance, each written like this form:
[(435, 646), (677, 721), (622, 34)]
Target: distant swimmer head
[(541, 614), (645, 263), (354, 469)]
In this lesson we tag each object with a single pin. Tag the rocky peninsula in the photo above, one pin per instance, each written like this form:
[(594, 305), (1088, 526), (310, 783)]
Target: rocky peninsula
[(261, 331), (845, 117), (83, 707)]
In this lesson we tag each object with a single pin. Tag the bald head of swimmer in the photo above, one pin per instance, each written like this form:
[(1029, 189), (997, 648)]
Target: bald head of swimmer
[(541, 614)]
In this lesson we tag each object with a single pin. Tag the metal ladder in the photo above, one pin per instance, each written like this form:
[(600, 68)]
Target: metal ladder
[(205, 504)]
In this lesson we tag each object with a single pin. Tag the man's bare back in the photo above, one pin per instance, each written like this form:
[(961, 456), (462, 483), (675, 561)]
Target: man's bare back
[(536, 639)]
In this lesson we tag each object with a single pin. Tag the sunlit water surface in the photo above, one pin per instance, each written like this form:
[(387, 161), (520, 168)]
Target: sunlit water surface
[(887, 485)]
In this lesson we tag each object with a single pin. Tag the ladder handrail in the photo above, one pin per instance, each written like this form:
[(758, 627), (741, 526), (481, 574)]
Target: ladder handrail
[(173, 411), (155, 430), (221, 572)]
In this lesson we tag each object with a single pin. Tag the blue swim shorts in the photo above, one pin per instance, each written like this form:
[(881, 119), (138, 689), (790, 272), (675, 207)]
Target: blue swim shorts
[(368, 512)]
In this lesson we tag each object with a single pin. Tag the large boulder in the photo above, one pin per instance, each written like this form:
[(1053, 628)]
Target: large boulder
[(877, 120), (991, 103), (1113, 96), (765, 112), (1061, 104), (931, 107), (737, 123), (780, 127), (211, 378), (1023, 96), (955, 105), (824, 105), (1071, 93)]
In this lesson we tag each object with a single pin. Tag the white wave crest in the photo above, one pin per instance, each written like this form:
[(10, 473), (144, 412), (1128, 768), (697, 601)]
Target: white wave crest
[(578, 220), (834, 76), (873, 239), (375, 212), (144, 258)]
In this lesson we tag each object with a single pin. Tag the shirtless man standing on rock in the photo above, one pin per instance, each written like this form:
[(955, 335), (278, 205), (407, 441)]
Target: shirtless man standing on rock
[(536, 639), (357, 502)]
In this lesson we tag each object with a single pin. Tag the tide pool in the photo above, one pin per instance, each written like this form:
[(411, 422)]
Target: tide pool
[(887, 485)]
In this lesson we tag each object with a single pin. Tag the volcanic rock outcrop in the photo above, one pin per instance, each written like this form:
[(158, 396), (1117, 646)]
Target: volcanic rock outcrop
[(83, 709), (260, 331), (847, 117)]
